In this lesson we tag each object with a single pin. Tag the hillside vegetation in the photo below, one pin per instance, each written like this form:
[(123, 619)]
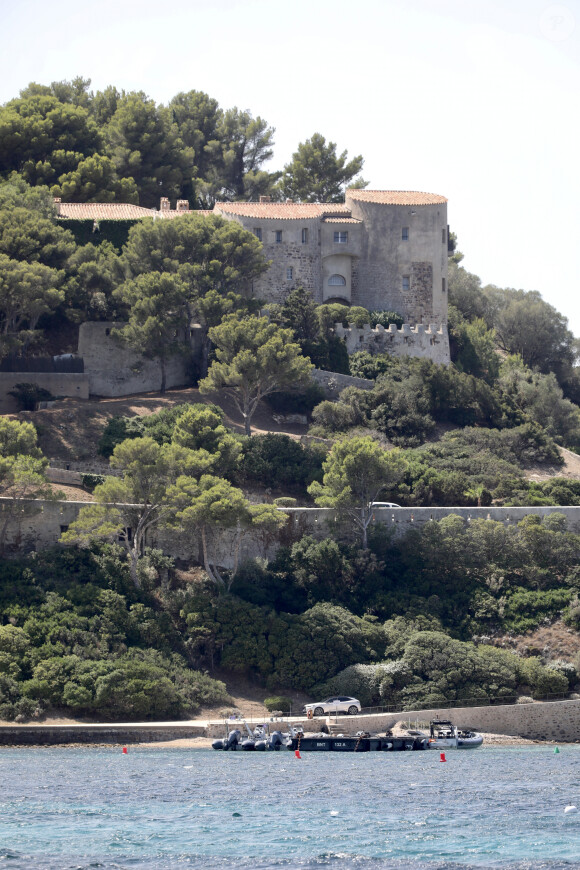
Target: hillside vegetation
[(104, 627)]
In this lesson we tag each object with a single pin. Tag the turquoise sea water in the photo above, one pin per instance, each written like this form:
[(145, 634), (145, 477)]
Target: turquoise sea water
[(75, 809)]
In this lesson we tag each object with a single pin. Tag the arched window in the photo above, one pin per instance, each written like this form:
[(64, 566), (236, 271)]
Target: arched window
[(336, 281)]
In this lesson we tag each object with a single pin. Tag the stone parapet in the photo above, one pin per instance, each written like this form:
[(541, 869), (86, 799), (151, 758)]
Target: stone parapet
[(426, 342)]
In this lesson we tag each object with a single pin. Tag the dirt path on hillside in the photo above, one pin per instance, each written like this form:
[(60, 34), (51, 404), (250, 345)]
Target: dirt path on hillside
[(570, 469), (71, 428)]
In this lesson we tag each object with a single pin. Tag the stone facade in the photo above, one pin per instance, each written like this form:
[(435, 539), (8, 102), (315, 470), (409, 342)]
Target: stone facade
[(403, 259), (384, 250)]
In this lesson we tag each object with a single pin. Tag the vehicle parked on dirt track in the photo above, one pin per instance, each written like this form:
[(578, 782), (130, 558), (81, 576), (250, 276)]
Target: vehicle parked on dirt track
[(336, 704)]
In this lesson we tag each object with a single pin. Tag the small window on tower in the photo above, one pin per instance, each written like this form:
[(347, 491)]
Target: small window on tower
[(258, 233), (341, 237), (289, 273), (278, 236), (305, 236), (443, 284), (406, 285), (405, 234)]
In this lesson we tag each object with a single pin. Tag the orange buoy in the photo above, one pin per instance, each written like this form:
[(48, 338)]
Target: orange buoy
[(442, 757), (297, 753)]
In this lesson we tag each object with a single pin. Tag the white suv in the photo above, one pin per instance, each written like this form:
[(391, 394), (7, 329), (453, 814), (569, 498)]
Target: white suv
[(385, 504), (336, 704)]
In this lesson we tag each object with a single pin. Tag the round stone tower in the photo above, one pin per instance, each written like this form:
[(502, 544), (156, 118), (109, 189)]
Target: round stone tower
[(402, 264)]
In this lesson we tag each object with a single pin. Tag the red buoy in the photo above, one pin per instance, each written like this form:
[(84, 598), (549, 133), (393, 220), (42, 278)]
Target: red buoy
[(442, 757), (297, 753), (124, 750)]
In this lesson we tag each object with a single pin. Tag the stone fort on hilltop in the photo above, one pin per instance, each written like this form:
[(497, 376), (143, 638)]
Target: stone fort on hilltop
[(384, 250)]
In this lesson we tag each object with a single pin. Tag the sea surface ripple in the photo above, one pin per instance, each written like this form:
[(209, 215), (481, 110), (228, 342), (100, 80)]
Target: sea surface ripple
[(84, 808)]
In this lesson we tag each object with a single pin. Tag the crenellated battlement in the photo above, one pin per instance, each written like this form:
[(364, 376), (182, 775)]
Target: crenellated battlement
[(430, 342)]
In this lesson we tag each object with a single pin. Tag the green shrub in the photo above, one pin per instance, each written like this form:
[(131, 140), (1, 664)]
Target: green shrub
[(117, 430), (90, 481), (370, 366), (541, 680), (281, 462), (385, 318), (524, 609), (294, 402), (278, 702), (567, 669), (358, 681), (334, 416)]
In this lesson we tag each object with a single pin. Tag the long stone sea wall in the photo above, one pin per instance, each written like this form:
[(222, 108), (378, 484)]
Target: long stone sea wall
[(44, 528), (557, 721)]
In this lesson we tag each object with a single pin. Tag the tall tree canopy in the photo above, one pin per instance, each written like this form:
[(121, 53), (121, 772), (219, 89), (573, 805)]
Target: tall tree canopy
[(356, 472), (42, 138), (207, 252), (144, 144), (129, 506), (254, 359), (22, 474), (157, 317), (318, 174), (33, 254), (122, 146), (214, 259)]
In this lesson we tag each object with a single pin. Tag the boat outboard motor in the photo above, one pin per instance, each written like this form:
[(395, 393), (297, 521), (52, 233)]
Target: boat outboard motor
[(233, 740), (276, 741)]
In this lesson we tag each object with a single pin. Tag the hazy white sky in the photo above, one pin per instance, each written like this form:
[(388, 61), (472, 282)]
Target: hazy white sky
[(473, 99)]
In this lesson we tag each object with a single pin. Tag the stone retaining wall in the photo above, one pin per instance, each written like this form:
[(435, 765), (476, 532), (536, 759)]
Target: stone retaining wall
[(334, 383), (557, 721), (69, 384), (47, 735), (43, 529), (553, 720), (64, 476)]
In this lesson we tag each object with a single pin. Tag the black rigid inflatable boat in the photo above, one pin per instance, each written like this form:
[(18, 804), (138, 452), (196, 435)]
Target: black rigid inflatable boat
[(297, 740), (361, 742)]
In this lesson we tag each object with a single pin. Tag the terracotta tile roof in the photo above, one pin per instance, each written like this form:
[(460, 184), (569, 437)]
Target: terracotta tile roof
[(284, 211), (111, 211), (341, 220), (396, 197)]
